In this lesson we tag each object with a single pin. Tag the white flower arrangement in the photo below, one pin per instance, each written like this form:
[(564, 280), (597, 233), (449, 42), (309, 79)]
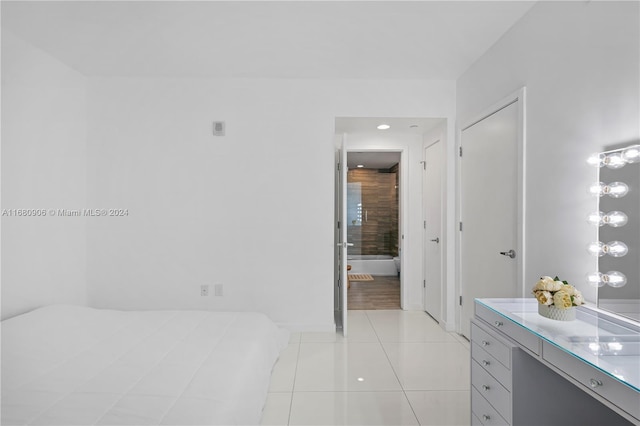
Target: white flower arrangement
[(555, 292)]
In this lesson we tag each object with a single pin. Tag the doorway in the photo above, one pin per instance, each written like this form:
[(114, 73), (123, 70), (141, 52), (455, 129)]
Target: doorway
[(433, 235), (400, 135), (372, 226)]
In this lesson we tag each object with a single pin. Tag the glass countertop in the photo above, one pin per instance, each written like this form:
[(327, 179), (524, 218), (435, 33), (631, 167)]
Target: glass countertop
[(608, 344)]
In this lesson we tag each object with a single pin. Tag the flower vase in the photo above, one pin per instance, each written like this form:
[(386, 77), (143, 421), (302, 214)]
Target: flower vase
[(554, 313)]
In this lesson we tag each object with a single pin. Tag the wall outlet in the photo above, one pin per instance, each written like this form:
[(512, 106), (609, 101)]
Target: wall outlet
[(218, 289), (204, 290)]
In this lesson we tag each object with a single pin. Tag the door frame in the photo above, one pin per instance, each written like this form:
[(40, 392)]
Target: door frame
[(442, 231), (518, 96)]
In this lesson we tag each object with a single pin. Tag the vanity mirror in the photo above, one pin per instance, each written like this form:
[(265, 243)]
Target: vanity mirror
[(617, 217)]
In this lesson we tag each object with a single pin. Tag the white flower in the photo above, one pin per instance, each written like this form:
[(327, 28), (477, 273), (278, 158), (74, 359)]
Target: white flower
[(577, 298), (562, 300), (548, 284), (544, 297)]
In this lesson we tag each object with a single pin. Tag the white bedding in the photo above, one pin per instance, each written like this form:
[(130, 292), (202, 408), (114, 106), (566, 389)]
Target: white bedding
[(70, 365)]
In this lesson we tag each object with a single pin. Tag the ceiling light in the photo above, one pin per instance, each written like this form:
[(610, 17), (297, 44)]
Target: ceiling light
[(413, 126), (383, 127), (360, 166)]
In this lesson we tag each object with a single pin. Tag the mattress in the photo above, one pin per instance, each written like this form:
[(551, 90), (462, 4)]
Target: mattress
[(71, 365)]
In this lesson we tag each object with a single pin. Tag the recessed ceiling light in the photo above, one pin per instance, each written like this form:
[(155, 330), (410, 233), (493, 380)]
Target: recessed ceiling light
[(413, 126), (360, 166), (383, 127)]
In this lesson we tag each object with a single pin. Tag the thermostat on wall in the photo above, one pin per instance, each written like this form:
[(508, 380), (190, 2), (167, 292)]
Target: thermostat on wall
[(218, 128)]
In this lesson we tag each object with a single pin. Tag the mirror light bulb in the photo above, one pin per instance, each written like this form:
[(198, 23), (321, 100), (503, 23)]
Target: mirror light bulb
[(597, 159), (614, 161), (597, 189), (631, 154), (596, 218), (595, 279), (616, 248), (596, 248), (615, 219), (615, 279), (616, 189)]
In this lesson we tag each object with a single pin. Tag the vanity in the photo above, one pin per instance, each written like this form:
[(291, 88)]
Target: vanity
[(530, 370)]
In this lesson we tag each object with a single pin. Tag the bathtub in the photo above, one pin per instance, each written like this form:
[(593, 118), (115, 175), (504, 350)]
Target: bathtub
[(372, 264)]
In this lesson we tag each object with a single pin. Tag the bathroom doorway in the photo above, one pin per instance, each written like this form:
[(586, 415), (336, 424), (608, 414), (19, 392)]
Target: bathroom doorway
[(373, 227)]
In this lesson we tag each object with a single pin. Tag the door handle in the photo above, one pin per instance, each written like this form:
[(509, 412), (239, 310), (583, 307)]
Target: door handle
[(510, 253), (436, 240), (345, 245)]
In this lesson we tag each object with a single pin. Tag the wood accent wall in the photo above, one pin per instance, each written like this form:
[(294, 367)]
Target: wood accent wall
[(379, 234)]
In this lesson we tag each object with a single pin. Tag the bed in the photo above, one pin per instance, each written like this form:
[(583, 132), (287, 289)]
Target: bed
[(71, 365)]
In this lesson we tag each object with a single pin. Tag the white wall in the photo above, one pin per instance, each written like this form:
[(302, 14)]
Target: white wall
[(43, 167), (253, 210), (580, 64)]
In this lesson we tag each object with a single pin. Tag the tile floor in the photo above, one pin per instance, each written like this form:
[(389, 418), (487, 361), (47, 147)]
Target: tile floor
[(394, 368)]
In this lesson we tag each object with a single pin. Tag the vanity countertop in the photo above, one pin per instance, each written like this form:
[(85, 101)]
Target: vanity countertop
[(607, 343)]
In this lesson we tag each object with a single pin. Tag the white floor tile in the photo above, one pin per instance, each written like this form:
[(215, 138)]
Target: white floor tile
[(430, 366), (462, 340), (359, 329), (284, 371), (407, 326), (351, 366), (351, 408), (321, 337), (441, 408), (276, 409)]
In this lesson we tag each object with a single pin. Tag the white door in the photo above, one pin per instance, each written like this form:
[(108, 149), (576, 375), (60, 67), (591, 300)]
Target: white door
[(432, 200), (342, 232), (489, 209)]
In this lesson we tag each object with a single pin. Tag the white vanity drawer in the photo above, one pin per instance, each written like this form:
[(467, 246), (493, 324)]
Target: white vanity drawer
[(483, 411), (510, 329), (491, 390), (594, 380), (489, 363), (492, 345)]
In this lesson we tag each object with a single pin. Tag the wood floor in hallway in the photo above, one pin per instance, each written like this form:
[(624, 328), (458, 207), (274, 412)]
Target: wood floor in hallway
[(381, 293)]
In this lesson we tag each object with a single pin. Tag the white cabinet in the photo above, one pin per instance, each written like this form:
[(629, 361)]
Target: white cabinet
[(519, 378)]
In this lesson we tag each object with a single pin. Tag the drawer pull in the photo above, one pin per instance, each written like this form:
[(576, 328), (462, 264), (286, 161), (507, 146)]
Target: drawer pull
[(485, 343), (485, 387), (485, 362), (595, 383), (486, 417), (498, 323)]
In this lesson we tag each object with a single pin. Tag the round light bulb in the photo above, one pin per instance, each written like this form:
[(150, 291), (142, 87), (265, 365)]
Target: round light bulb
[(616, 189), (615, 219), (596, 159), (615, 279), (595, 279), (597, 189), (616, 248), (596, 248), (614, 161), (631, 154), (596, 218)]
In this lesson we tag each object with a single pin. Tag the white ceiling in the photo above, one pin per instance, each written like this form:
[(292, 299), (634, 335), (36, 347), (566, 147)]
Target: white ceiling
[(416, 125), (265, 39), (373, 160)]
